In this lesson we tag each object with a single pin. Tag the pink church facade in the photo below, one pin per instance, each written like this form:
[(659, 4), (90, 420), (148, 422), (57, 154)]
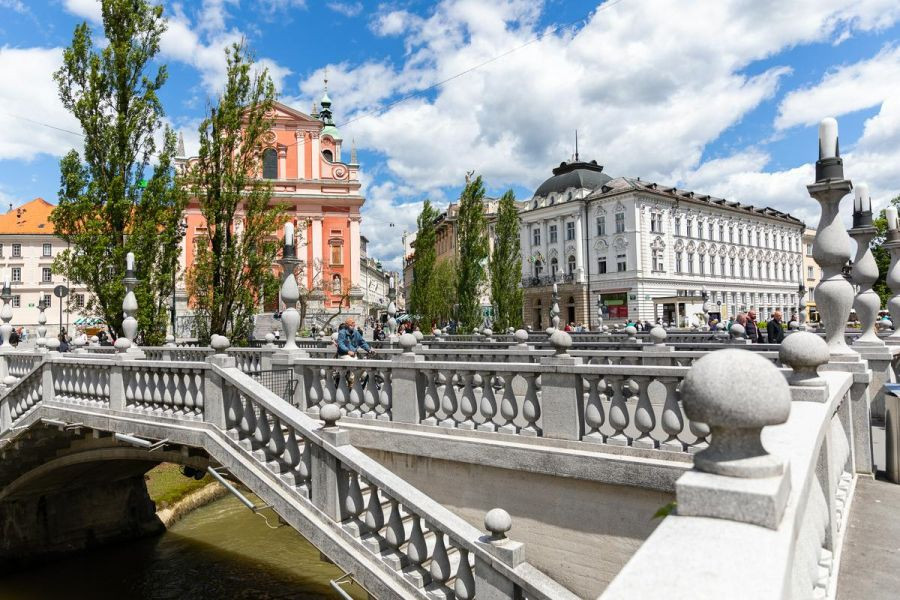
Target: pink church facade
[(304, 157)]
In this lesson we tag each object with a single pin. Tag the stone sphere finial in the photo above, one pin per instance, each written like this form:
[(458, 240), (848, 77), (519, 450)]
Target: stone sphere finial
[(219, 343), (270, 339), (408, 341), (510, 330), (331, 414), (418, 335), (498, 522), (435, 332), (658, 335), (521, 336), (487, 331), (549, 331), (561, 341), (793, 325), (737, 331), (95, 341), (170, 339), (122, 343), (631, 332), (885, 324), (736, 393), (804, 352)]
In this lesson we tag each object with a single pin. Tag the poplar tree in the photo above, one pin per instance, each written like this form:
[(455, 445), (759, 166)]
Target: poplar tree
[(472, 244), (506, 266), (233, 267), (118, 195), (422, 290)]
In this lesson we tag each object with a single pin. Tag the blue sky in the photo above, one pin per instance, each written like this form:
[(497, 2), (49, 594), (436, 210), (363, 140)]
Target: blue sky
[(720, 97)]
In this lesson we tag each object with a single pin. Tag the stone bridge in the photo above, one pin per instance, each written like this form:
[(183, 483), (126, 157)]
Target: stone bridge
[(391, 467)]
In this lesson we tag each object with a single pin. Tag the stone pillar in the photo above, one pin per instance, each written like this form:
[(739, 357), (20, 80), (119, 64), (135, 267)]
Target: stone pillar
[(326, 485), (892, 244), (561, 392), (735, 478), (488, 581), (405, 407), (300, 139), (316, 156)]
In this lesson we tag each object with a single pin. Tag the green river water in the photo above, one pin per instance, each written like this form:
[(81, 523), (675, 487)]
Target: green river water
[(220, 551)]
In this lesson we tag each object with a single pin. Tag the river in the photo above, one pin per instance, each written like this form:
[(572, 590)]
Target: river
[(220, 551)]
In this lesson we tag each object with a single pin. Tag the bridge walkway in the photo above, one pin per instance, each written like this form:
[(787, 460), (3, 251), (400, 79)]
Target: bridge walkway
[(870, 566)]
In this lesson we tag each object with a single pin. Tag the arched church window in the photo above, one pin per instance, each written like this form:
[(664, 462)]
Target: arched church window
[(270, 163), (328, 155)]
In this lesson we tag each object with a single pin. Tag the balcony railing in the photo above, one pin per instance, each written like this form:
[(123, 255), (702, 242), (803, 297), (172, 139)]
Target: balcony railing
[(536, 281)]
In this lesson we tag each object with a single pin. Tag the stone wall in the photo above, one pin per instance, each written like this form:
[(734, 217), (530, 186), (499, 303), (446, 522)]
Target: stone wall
[(581, 532), (73, 518)]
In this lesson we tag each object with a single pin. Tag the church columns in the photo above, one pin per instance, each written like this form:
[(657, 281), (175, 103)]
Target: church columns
[(354, 254), (317, 264), (316, 155), (301, 154), (282, 163), (302, 242)]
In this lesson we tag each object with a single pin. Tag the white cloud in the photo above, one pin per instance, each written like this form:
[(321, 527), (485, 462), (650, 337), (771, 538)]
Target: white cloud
[(387, 214), (846, 89), (15, 6), (348, 9), (86, 9), (33, 100)]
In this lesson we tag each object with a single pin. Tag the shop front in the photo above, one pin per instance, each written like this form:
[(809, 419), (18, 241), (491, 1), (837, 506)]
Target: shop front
[(614, 304)]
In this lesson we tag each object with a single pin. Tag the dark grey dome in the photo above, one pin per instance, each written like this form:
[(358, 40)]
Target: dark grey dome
[(574, 174)]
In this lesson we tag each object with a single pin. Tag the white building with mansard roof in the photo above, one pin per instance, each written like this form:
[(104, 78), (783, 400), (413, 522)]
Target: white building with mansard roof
[(631, 249)]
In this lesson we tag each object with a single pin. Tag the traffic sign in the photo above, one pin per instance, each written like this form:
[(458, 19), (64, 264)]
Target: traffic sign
[(60, 291)]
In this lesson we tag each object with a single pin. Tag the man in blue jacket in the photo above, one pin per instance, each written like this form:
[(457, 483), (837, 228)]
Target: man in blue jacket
[(350, 340)]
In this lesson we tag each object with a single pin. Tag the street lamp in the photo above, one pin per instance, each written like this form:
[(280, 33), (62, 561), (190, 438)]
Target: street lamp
[(801, 306)]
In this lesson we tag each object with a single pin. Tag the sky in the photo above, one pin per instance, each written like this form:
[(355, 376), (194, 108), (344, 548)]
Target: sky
[(721, 97)]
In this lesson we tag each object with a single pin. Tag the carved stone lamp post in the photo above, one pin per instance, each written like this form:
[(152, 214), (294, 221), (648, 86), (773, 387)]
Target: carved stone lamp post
[(893, 275), (865, 271), (6, 315), (554, 310), (125, 342), (290, 293), (831, 248), (392, 311), (801, 304), (41, 341)]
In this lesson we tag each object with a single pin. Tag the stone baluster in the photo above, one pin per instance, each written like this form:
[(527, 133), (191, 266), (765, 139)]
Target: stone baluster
[(735, 477), (865, 272), (644, 417), (831, 248), (672, 418), (618, 410), (509, 406), (449, 402), (488, 403), (594, 413), (468, 406)]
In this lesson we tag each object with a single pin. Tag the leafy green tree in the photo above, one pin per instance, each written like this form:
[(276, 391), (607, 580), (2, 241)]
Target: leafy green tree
[(472, 245), (505, 266), (112, 200), (233, 270), (882, 255), (422, 290), (443, 290)]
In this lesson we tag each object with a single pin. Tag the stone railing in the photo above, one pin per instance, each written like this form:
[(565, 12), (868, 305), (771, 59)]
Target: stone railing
[(20, 364), (558, 398), (400, 542), (778, 519)]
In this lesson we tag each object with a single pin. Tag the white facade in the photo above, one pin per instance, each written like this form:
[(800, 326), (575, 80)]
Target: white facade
[(630, 242), (26, 261)]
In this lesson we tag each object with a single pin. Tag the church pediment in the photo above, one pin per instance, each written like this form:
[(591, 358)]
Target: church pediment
[(282, 113)]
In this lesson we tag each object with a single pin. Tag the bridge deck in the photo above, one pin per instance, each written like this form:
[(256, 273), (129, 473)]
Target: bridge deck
[(870, 566)]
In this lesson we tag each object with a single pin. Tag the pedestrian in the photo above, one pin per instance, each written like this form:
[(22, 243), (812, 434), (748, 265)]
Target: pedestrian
[(350, 340), (14, 337), (751, 328), (63, 343), (774, 328)]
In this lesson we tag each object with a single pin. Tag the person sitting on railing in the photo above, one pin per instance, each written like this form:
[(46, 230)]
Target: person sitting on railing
[(350, 340)]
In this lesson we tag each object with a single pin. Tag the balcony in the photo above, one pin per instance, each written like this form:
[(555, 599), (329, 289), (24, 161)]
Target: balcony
[(535, 281)]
